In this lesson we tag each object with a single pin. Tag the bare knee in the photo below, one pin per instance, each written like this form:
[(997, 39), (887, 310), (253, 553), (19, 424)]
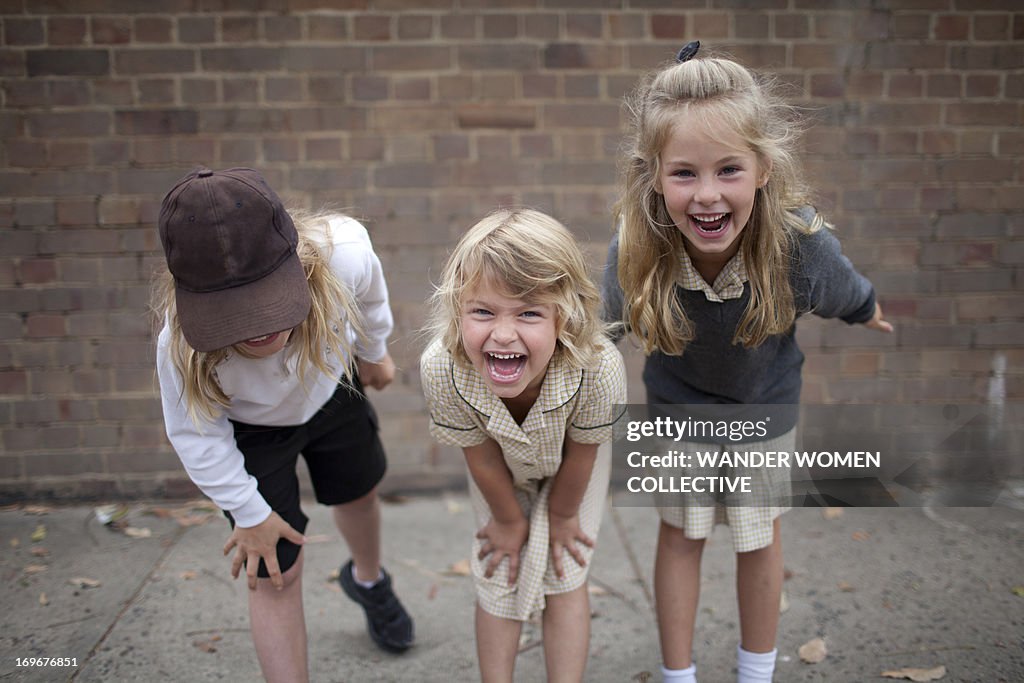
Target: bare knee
[(364, 503), (674, 540)]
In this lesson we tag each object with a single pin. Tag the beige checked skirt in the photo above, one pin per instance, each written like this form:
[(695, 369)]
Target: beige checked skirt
[(525, 599), (750, 518)]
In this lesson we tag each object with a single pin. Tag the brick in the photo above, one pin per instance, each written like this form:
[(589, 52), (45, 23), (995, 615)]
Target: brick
[(281, 150), (415, 26), (323, 149), (69, 124), (74, 463), (67, 62), (45, 325), (239, 29), (999, 335), (952, 27), (978, 114), (156, 122), (327, 178), (332, 59), (153, 30), (113, 92), (66, 30), (27, 93), (499, 26), (910, 26), (26, 153), (410, 175), (193, 29), (412, 89), (541, 86), (13, 382), (110, 30), (70, 93), (581, 115), (407, 118), (239, 151), (372, 27), (461, 26), (240, 90), (281, 28), (582, 56), (626, 25), (943, 85), (498, 116), (990, 27), (151, 60), (23, 31), (584, 25), (789, 26), (982, 85), (242, 59)]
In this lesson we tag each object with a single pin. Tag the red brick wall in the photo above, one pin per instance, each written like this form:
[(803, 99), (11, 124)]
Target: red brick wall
[(422, 116)]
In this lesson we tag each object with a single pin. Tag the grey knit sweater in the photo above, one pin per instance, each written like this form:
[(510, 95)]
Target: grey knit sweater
[(714, 370)]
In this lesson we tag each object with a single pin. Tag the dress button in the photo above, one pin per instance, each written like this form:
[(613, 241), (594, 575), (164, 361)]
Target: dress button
[(204, 173)]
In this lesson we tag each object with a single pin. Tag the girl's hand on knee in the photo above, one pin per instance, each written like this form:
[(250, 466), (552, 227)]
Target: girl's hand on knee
[(501, 540), (260, 542), (564, 533)]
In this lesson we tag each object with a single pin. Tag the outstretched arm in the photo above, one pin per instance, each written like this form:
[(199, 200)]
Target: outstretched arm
[(564, 503), (877, 322)]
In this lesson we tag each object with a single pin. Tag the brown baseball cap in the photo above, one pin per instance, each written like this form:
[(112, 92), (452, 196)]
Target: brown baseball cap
[(230, 246)]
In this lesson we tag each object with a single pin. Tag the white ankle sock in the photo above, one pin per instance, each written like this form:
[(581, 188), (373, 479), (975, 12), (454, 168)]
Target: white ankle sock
[(366, 584), (687, 675), (754, 667)]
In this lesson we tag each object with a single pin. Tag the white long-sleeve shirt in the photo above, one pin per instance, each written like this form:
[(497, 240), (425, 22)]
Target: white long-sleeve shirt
[(268, 391)]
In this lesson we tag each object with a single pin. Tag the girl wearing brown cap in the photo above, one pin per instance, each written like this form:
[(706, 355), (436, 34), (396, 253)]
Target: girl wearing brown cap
[(272, 324)]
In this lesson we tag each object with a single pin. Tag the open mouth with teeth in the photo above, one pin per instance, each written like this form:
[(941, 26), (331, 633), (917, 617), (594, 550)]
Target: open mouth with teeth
[(710, 224), (262, 341), (505, 368)]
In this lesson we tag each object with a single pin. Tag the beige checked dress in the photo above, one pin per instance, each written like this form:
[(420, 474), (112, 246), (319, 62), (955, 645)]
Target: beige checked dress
[(580, 404), (750, 524)]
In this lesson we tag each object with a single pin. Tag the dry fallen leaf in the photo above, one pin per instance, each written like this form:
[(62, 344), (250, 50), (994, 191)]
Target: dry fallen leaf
[(783, 603), (453, 506), (460, 568), (596, 590), (860, 535), (913, 674), (188, 575), (84, 582), (137, 532), (206, 645), (813, 651), (35, 568), (39, 534), (846, 587), (37, 509), (1018, 591), (40, 551), (334, 575), (832, 513), (15, 543), (642, 677), (43, 600)]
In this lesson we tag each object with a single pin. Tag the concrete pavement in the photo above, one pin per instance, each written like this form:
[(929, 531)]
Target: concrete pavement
[(885, 588)]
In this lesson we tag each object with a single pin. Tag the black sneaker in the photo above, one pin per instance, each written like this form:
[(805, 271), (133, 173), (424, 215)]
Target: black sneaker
[(389, 624)]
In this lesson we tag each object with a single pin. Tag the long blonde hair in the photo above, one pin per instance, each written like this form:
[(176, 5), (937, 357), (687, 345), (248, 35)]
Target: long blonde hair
[(714, 92), (322, 334), (532, 257)]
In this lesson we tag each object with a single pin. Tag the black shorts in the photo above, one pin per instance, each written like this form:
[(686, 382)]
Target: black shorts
[(342, 450)]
